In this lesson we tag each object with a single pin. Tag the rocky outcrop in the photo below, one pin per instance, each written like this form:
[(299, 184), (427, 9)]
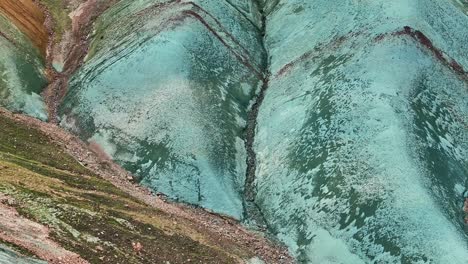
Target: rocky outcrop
[(341, 126), (359, 102)]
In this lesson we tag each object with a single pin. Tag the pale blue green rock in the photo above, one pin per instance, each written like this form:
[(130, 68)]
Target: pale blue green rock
[(22, 76), (362, 139), (165, 91)]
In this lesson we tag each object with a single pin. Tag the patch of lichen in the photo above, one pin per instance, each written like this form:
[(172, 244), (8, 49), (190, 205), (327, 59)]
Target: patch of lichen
[(119, 231), (87, 214)]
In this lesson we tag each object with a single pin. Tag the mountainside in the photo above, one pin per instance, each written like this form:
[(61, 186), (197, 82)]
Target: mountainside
[(338, 127), (165, 91), (54, 208), (363, 132)]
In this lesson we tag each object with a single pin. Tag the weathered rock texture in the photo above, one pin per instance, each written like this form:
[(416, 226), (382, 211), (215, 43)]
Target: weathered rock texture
[(54, 208), (361, 141), (165, 91), (340, 125)]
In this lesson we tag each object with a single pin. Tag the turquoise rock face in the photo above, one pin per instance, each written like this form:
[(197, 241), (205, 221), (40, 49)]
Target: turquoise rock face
[(165, 92), (361, 141), (362, 138), (21, 72)]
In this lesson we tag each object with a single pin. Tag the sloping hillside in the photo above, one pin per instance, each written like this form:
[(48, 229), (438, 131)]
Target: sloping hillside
[(54, 208)]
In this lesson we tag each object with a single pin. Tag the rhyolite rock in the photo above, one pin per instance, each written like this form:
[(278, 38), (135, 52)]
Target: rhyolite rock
[(165, 92), (362, 138)]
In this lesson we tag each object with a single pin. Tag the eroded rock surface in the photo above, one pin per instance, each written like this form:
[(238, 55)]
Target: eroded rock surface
[(165, 91), (349, 117), (362, 136), (54, 208)]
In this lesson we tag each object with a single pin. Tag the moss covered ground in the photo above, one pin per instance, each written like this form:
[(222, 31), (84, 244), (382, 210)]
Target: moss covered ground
[(87, 214)]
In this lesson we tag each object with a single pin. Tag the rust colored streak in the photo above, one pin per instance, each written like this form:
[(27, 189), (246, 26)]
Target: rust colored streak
[(286, 68), (28, 17), (438, 53), (457, 67), (8, 38), (244, 58), (199, 8), (241, 58), (73, 52), (332, 45), (416, 35), (421, 38)]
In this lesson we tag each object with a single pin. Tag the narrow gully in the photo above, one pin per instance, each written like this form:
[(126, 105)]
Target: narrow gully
[(252, 212), (50, 93), (74, 54)]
